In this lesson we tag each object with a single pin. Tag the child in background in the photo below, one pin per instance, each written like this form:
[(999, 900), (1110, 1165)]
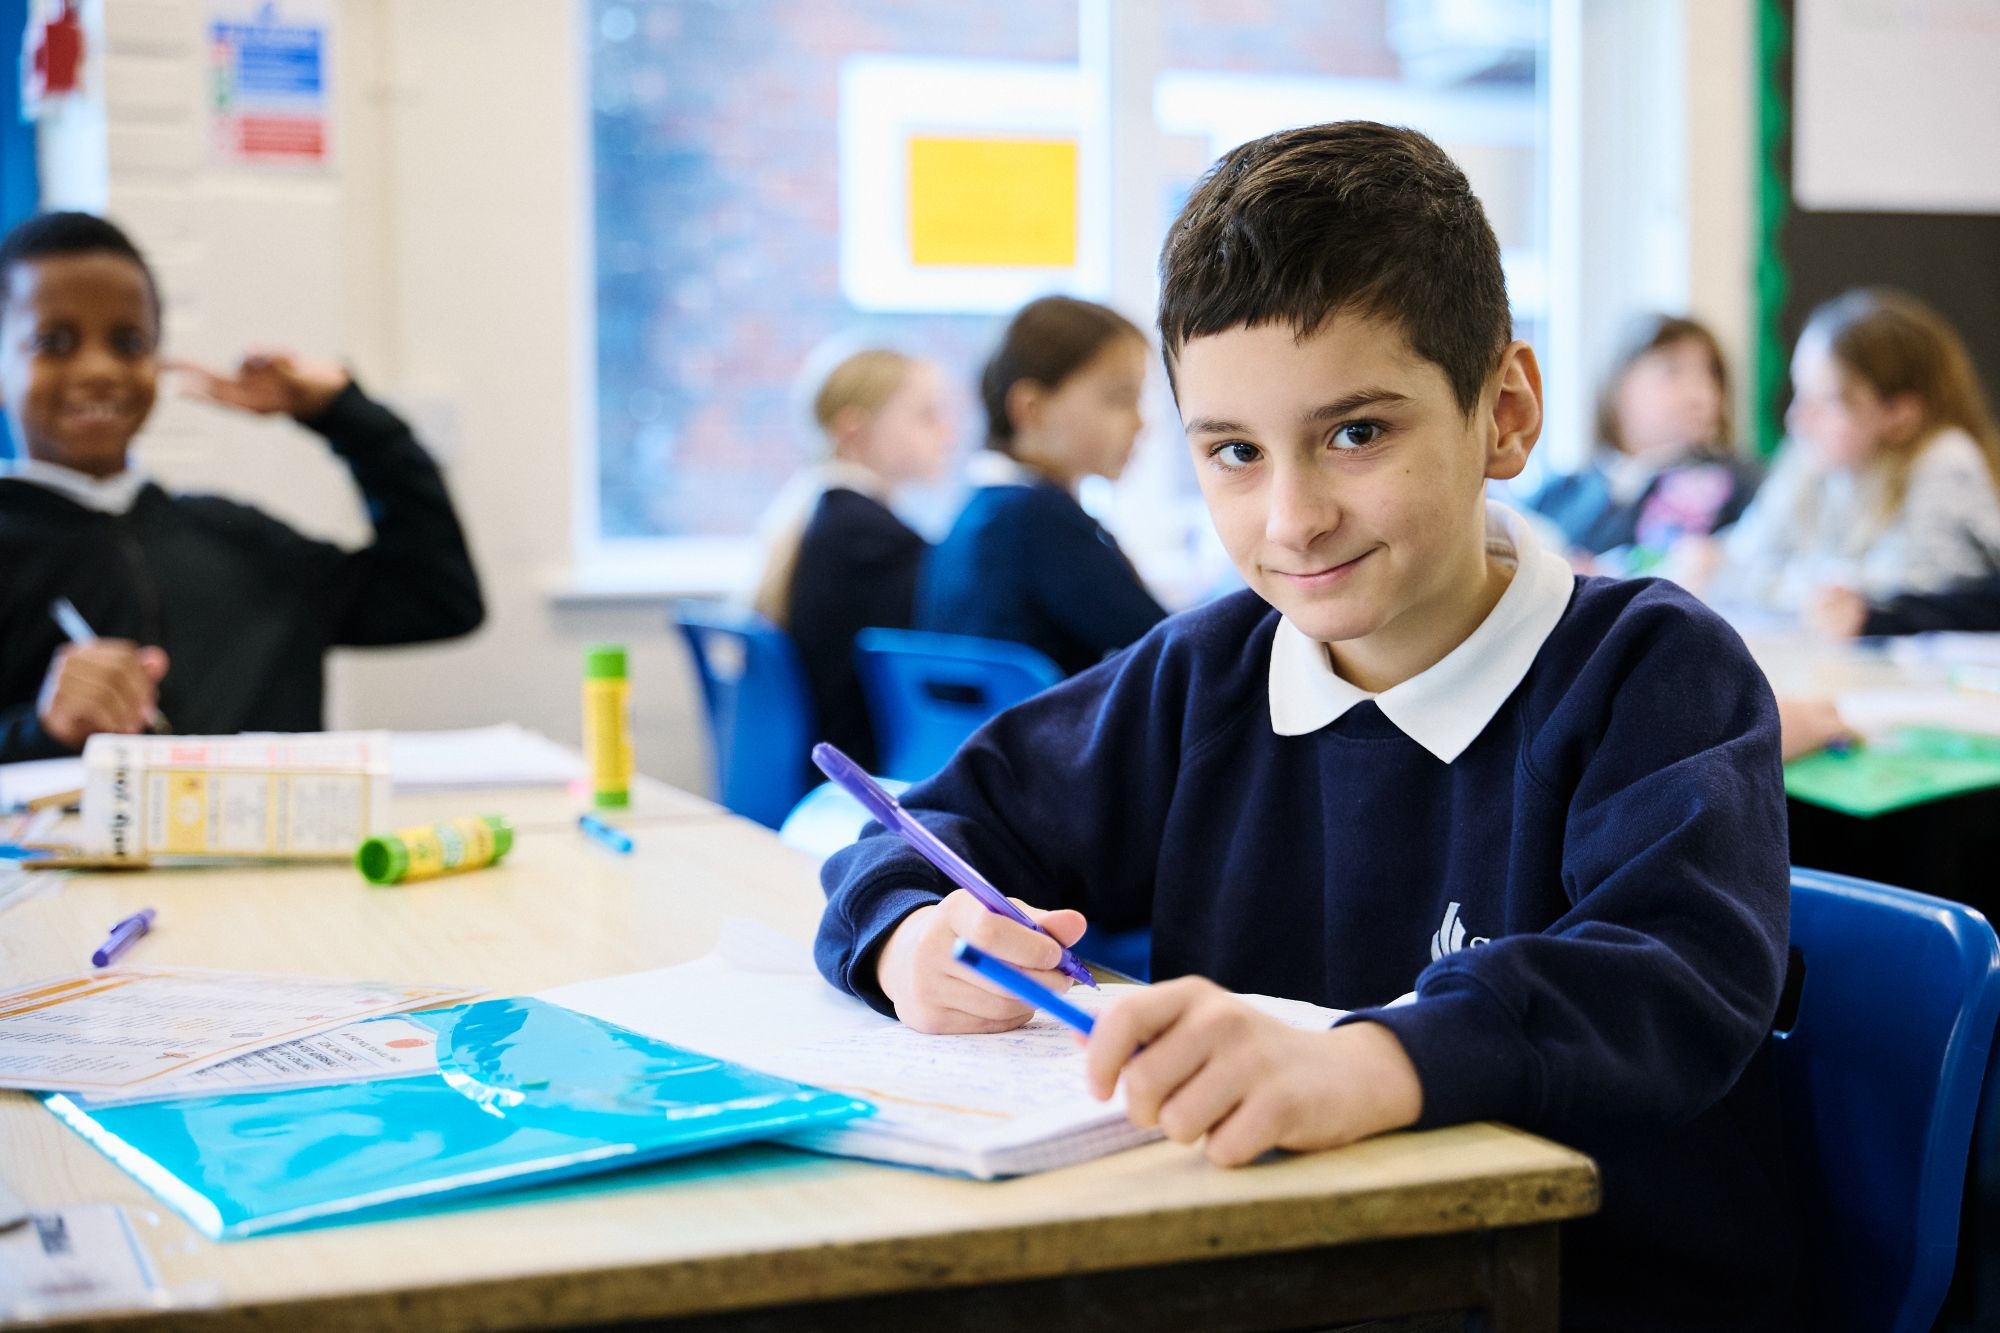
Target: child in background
[(1891, 483), (1528, 827), (838, 560), (1024, 561), (1667, 466), (210, 612), (1971, 607)]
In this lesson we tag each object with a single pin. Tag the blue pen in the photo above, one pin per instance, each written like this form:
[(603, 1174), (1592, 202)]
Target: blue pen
[(617, 840), (850, 777), (1034, 992)]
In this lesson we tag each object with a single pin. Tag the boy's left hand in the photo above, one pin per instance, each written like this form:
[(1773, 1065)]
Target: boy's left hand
[(268, 382), (1213, 1065)]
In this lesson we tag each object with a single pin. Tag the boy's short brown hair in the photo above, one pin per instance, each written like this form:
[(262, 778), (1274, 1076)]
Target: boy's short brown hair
[(1353, 216)]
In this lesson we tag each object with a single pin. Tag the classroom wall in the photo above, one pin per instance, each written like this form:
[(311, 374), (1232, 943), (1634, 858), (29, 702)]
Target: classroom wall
[(445, 256), (442, 256)]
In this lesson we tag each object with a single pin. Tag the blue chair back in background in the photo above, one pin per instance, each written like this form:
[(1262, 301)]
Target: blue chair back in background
[(1893, 1004), (928, 692), (760, 717)]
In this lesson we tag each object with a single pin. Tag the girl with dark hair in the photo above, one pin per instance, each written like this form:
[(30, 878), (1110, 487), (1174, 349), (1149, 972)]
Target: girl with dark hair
[(1024, 562)]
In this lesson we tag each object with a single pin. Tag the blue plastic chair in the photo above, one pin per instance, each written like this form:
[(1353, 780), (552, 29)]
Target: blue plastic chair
[(927, 692), (760, 717), (1895, 996)]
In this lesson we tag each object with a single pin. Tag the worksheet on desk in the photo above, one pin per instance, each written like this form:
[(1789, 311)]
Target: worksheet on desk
[(758, 1001), (122, 1028)]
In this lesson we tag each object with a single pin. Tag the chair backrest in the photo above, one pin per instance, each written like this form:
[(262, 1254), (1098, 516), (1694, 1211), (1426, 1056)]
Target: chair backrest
[(1881, 1049), (927, 692), (760, 718)]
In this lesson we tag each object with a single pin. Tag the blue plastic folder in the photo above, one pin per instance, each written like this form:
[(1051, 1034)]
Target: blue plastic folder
[(525, 1092)]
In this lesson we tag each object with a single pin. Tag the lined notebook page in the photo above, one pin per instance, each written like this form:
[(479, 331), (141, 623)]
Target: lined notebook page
[(984, 1105)]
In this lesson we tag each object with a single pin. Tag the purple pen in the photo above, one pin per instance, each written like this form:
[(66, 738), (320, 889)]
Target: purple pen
[(122, 937), (852, 779)]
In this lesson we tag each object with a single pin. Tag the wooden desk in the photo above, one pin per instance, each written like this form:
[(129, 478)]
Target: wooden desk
[(554, 808), (763, 1237)]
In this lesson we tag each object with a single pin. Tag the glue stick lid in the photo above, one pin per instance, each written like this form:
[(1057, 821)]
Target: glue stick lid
[(604, 661), (383, 859)]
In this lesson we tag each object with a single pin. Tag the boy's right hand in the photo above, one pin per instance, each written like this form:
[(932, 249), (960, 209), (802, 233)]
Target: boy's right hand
[(933, 993), (109, 685)]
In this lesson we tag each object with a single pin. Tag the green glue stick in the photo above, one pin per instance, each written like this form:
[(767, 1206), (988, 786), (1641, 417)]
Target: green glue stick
[(430, 850)]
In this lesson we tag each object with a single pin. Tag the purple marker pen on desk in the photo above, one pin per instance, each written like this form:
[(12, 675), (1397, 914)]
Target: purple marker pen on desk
[(122, 937), (849, 776)]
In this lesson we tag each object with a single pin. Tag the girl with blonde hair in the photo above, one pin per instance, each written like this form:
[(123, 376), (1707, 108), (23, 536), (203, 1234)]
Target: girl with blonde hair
[(1891, 481), (837, 559)]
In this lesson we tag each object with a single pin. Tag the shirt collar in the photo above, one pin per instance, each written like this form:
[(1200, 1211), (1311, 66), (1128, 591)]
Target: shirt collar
[(990, 467), (115, 494), (1444, 708)]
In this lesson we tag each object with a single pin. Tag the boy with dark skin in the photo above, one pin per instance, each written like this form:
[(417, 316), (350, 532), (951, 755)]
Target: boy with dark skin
[(216, 606)]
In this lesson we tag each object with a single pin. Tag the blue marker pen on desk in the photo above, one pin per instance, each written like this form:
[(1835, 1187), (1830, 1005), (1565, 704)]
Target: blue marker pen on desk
[(849, 776), (1026, 987), (616, 839)]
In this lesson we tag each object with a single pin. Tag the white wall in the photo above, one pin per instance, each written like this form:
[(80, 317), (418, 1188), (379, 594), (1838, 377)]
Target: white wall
[(1652, 107), (445, 256)]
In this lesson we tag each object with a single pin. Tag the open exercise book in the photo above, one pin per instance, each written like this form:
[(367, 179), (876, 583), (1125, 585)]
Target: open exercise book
[(995, 1105)]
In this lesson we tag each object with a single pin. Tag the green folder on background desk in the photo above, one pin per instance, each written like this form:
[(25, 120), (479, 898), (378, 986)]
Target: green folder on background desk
[(524, 1092), (1915, 766)]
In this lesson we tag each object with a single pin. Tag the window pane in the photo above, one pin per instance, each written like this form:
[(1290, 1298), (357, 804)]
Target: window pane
[(717, 156)]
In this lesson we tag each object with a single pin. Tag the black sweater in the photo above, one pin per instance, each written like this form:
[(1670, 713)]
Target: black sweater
[(1972, 606), (857, 569), (245, 607)]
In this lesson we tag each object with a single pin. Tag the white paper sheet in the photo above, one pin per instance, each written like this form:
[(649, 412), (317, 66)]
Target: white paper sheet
[(507, 755), (360, 1052), (987, 1104), (36, 778), (1876, 713), (72, 1260), (121, 1029)]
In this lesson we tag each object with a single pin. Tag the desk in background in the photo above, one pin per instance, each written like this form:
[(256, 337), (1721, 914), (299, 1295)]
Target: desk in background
[(763, 1237), (1947, 847)]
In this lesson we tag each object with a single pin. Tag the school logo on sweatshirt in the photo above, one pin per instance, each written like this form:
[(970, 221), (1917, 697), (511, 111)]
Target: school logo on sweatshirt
[(1450, 936)]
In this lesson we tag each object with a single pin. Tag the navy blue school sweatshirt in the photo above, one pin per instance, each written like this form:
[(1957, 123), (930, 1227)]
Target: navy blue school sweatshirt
[(1025, 563), (1591, 902), (856, 569)]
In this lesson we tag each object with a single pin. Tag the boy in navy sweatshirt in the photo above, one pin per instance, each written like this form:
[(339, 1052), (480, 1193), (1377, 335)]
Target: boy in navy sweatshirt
[(1529, 827)]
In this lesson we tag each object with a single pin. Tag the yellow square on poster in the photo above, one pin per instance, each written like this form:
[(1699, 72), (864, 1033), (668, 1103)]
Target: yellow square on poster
[(993, 202)]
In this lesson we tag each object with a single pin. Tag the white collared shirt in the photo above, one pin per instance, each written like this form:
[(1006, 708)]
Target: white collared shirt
[(990, 467), (115, 494), (1445, 707)]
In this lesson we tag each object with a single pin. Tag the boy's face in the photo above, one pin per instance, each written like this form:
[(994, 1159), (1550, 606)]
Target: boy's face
[(1345, 480), (79, 358)]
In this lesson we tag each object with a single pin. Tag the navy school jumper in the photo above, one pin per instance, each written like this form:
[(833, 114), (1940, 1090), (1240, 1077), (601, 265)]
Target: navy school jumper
[(1026, 564), (1592, 902)]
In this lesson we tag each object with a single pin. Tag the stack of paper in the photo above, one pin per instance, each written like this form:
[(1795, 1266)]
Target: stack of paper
[(986, 1106)]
